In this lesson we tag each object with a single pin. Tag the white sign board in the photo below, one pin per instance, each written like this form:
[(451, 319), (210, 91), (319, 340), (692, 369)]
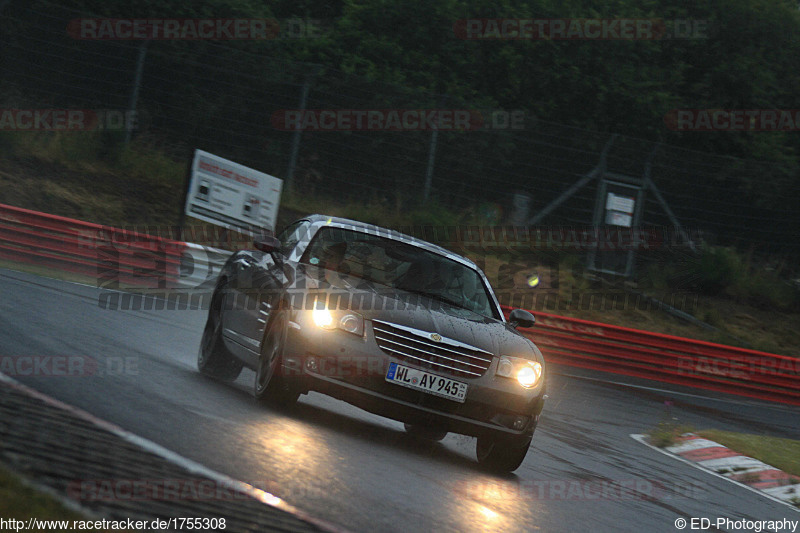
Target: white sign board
[(616, 218), (232, 195), (620, 203)]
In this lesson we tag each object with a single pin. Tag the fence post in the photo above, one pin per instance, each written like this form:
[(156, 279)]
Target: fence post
[(137, 81), (288, 181), (597, 171), (426, 190)]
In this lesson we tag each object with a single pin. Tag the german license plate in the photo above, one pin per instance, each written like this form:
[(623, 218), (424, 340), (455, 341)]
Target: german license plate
[(427, 382)]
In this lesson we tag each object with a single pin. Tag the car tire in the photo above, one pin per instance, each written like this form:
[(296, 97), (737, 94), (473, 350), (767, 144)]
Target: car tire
[(213, 359), (502, 454), (424, 432), (269, 387)]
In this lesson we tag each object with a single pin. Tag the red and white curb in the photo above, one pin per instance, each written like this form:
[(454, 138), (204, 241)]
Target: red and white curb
[(725, 463)]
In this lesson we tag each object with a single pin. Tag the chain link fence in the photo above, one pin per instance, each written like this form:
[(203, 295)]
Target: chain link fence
[(229, 98)]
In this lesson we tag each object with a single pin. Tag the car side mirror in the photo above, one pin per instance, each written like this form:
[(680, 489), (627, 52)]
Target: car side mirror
[(521, 318), (267, 244)]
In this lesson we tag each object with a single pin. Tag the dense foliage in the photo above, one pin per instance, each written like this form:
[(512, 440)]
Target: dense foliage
[(745, 56), (405, 53)]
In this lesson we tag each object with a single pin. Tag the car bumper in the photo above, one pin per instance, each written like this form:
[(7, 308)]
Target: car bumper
[(353, 369)]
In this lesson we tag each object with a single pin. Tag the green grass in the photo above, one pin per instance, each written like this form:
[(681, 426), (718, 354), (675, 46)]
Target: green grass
[(666, 433), (783, 454), (21, 502), (95, 152), (729, 273), (398, 214)]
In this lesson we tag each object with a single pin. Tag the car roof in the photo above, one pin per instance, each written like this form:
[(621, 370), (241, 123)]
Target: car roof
[(391, 234)]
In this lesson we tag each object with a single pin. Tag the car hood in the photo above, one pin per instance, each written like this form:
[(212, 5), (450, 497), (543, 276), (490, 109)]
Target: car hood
[(377, 302), (487, 334)]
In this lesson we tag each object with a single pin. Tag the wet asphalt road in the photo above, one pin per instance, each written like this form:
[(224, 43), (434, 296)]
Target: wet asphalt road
[(357, 470)]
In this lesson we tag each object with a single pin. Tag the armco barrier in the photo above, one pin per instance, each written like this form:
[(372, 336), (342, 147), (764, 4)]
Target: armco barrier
[(115, 258), (666, 358), (200, 266), (123, 258)]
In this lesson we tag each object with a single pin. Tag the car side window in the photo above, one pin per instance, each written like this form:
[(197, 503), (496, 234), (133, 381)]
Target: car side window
[(293, 234)]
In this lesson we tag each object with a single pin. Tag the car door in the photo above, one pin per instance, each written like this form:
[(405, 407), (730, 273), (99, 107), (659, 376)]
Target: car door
[(260, 282), (250, 272)]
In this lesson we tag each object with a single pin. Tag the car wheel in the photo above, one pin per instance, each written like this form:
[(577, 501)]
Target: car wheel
[(213, 359), (269, 387), (502, 454), (424, 432)]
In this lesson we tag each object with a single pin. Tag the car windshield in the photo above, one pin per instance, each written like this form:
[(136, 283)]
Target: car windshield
[(398, 265)]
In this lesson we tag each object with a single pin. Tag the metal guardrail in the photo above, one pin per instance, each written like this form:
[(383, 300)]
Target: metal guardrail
[(666, 358), (200, 266), (136, 259), (114, 257)]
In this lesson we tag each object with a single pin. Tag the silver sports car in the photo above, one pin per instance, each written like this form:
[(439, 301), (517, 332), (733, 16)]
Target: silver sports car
[(392, 324)]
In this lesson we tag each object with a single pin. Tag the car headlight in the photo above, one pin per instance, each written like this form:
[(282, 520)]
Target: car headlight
[(323, 318), (525, 371), (348, 321)]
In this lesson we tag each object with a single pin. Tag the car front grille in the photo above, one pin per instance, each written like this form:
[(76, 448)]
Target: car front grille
[(419, 348)]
